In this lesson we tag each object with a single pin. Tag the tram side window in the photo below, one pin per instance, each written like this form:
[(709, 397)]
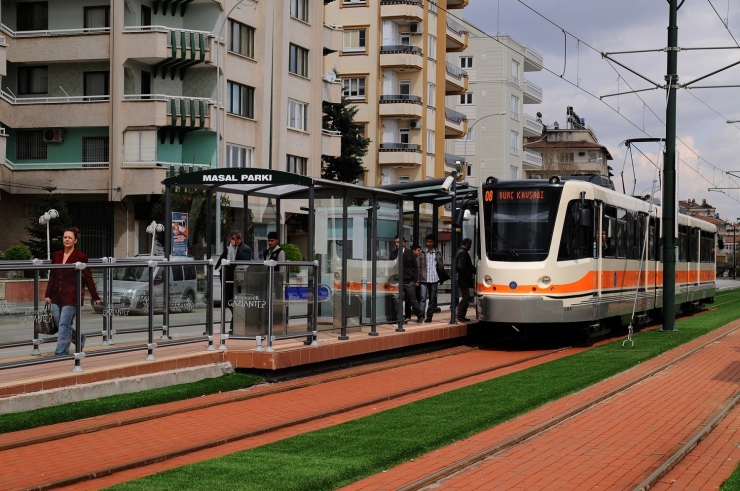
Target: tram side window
[(694, 246), (683, 243), (707, 247), (651, 240), (576, 241), (610, 227)]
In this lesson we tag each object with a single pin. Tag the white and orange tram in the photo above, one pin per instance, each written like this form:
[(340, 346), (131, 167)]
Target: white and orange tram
[(572, 253)]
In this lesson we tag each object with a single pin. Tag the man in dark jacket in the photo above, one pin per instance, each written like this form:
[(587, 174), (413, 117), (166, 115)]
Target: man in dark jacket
[(430, 261), (465, 278), (410, 281), (236, 250)]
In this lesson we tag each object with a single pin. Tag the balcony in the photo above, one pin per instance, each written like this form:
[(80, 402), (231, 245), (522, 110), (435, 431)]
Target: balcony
[(456, 79), (456, 36), (451, 159), (409, 10), (399, 155), (401, 57), (532, 127), (331, 92), (332, 38), (532, 93), (531, 160), (331, 143), (54, 112), (21, 178), (3, 144), (400, 106), (57, 45), (161, 110), (456, 124), (169, 50), (457, 4), (533, 61), (3, 57)]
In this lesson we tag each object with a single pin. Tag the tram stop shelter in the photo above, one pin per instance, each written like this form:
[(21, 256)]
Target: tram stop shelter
[(338, 286)]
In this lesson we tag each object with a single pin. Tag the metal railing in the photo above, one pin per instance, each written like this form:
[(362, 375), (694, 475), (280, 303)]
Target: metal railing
[(454, 116), (53, 100), (191, 42), (451, 24), (408, 98), (455, 71), (395, 2), (331, 132), (56, 32), (399, 147), (400, 48), (450, 159), (55, 165)]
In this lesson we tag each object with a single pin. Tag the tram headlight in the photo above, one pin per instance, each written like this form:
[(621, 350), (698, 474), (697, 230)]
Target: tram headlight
[(488, 280), (544, 282)]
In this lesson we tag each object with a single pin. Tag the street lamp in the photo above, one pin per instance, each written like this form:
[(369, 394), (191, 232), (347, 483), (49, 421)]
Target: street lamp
[(151, 229), (44, 220), (734, 249), (470, 131)]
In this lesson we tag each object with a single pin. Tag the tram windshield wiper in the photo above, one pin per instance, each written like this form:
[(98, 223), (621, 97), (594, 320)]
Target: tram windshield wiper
[(505, 244)]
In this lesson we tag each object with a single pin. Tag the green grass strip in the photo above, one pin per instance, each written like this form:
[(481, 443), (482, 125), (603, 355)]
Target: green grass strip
[(122, 402), (339, 455)]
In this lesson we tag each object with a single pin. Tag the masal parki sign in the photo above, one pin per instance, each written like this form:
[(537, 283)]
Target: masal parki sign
[(233, 178)]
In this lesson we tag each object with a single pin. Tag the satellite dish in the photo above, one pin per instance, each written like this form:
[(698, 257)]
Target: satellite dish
[(330, 76)]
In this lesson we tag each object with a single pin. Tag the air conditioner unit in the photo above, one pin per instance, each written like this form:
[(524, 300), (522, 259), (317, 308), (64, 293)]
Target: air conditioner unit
[(53, 135), (416, 28), (414, 125)]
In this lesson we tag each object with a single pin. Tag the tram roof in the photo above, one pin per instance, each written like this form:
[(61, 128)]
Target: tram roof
[(428, 191), (266, 183)]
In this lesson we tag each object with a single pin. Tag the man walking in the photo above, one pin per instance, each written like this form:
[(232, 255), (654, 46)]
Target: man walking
[(410, 280), (430, 259), (465, 278)]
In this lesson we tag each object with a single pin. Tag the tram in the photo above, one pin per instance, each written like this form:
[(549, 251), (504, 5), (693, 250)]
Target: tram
[(570, 253)]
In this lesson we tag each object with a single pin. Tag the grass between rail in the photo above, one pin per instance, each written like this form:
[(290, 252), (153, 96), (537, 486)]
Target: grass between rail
[(112, 404), (342, 454)]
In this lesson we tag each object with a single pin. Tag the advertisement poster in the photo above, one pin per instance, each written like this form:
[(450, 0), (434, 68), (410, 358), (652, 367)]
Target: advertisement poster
[(179, 234)]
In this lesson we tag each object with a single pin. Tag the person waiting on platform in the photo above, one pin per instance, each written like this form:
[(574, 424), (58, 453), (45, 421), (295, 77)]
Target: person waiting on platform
[(235, 250), (430, 261)]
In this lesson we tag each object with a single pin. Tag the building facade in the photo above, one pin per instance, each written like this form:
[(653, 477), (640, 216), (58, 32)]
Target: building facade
[(494, 105), (102, 99)]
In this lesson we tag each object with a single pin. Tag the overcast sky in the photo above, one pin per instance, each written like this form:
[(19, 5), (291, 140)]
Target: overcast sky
[(625, 25)]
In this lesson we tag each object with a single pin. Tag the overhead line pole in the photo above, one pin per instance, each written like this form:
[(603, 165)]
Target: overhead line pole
[(669, 184)]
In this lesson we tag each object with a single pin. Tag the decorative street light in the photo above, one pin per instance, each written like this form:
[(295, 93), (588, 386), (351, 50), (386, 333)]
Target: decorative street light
[(44, 220), (151, 229)]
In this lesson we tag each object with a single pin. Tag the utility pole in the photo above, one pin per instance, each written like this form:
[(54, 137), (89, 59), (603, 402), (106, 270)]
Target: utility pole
[(669, 176)]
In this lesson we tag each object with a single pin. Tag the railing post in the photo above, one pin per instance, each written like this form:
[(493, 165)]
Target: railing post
[(270, 302), (109, 279), (166, 297), (36, 338), (151, 344), (225, 263), (79, 353)]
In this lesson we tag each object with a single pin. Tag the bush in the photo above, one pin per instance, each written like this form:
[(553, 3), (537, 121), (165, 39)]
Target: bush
[(17, 253), (292, 253)]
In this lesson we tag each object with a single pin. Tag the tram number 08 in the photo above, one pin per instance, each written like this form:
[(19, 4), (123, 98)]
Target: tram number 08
[(488, 196)]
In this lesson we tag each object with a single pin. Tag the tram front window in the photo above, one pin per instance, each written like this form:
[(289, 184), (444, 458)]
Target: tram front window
[(519, 222)]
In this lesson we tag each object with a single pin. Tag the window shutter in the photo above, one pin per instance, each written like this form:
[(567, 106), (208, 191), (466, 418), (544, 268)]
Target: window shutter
[(148, 146), (131, 146)]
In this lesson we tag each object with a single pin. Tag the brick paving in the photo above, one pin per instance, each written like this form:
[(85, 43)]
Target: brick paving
[(615, 445)]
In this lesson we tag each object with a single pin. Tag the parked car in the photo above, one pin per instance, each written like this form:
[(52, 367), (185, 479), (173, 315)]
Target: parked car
[(217, 287), (131, 288)]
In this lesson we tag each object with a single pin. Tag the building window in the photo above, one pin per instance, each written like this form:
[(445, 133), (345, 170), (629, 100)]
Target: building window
[(297, 165), (238, 156), (298, 62), (32, 16), (430, 141), (97, 17), (514, 107), (241, 38), (592, 156), (466, 62), (95, 149), (405, 39), (432, 47), (354, 2), (432, 7), (354, 40), (404, 132), (30, 145), (431, 92), (97, 85), (404, 87), (354, 88), (297, 115), (299, 9), (240, 99), (466, 99), (33, 79), (515, 72), (140, 146), (514, 143), (513, 172)]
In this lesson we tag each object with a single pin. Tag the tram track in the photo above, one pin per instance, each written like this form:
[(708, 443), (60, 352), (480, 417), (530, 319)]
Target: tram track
[(434, 479)]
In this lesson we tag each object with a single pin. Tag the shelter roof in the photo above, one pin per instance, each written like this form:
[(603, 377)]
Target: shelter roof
[(429, 191)]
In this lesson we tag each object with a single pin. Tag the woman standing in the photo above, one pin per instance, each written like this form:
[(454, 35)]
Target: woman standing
[(61, 291)]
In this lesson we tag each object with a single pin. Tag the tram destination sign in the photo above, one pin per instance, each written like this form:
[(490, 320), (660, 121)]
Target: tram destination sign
[(520, 195)]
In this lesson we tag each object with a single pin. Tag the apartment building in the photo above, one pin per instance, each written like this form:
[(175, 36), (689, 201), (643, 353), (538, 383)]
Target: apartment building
[(494, 105), (101, 99), (393, 67)]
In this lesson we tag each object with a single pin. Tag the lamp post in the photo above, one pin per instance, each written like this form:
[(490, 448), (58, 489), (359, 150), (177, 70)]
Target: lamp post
[(44, 220), (151, 229), (734, 249), (470, 131)]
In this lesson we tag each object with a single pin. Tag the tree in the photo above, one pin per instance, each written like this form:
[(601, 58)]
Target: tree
[(37, 232), (348, 166), (193, 202)]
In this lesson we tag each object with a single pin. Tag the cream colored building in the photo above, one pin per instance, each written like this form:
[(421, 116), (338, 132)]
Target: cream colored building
[(103, 98), (393, 67), (496, 69)]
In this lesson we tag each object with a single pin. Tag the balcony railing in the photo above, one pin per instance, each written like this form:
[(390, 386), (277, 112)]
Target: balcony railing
[(57, 165), (53, 100), (192, 41), (414, 99), (454, 116), (455, 71), (198, 103), (399, 147), (2, 132), (394, 2), (456, 27), (400, 48), (57, 32), (330, 132), (450, 159), (172, 167)]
